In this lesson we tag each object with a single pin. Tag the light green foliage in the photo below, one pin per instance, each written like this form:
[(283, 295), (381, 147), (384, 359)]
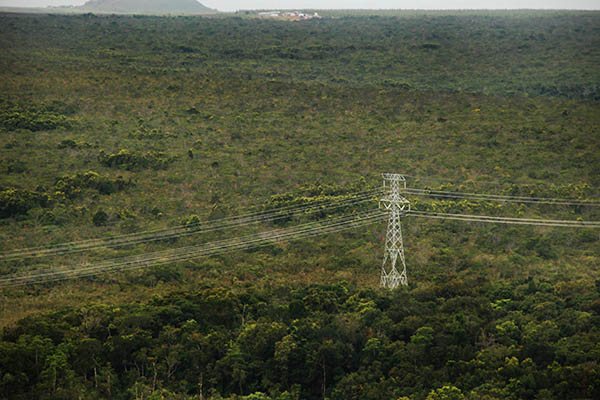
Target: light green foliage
[(256, 396), (132, 161), (18, 201), (40, 118), (507, 332), (423, 336), (446, 393)]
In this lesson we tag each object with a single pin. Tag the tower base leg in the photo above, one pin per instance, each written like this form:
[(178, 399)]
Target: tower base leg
[(393, 279)]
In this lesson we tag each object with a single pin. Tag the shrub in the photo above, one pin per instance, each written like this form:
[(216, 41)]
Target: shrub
[(72, 144), (165, 273), (72, 185), (100, 218), (19, 201), (13, 117), (431, 45), (14, 166), (391, 83), (144, 133), (132, 160), (67, 143), (191, 221)]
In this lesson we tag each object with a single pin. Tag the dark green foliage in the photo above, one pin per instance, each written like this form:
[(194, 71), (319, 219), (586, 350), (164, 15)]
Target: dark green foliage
[(72, 186), (18, 201), (14, 166), (238, 344), (430, 45), (100, 218), (72, 144), (67, 143), (165, 273)]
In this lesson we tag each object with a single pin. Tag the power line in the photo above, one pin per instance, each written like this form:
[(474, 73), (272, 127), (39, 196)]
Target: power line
[(169, 255), (248, 215), (399, 207), (507, 220), (485, 183), (262, 216), (211, 248), (502, 198), (263, 238), (187, 230)]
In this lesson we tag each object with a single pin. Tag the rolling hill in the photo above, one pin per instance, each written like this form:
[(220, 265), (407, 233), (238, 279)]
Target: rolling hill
[(146, 7)]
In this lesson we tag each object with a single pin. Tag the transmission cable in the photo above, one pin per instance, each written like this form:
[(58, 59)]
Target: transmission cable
[(163, 256), (506, 220), (485, 183), (501, 198), (304, 228), (216, 247), (186, 230), (221, 220)]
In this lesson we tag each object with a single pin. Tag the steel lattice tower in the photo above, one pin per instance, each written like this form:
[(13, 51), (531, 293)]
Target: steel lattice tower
[(398, 206)]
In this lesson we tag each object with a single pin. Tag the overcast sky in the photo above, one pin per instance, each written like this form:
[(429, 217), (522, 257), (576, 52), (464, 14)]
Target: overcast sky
[(232, 5)]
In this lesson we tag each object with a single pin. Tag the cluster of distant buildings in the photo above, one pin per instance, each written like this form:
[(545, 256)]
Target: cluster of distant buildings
[(289, 15)]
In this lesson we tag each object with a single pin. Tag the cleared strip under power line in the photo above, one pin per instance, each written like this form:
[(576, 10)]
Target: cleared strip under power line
[(187, 230), (217, 247)]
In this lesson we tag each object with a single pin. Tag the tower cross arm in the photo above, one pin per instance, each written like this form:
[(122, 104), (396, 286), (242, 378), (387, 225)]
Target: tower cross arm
[(401, 203), (389, 176)]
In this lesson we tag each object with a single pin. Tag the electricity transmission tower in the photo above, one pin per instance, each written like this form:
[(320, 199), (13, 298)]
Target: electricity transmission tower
[(397, 206)]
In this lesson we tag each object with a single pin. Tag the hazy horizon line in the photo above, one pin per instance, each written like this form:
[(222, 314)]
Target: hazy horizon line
[(351, 9)]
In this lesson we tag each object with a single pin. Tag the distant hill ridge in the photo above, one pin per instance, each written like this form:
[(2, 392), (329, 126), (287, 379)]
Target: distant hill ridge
[(146, 6)]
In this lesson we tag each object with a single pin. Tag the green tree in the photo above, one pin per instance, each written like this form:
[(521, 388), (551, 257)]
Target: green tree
[(57, 374), (446, 392)]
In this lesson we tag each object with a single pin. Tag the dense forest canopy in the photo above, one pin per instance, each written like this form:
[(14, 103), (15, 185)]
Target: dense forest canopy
[(113, 125)]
